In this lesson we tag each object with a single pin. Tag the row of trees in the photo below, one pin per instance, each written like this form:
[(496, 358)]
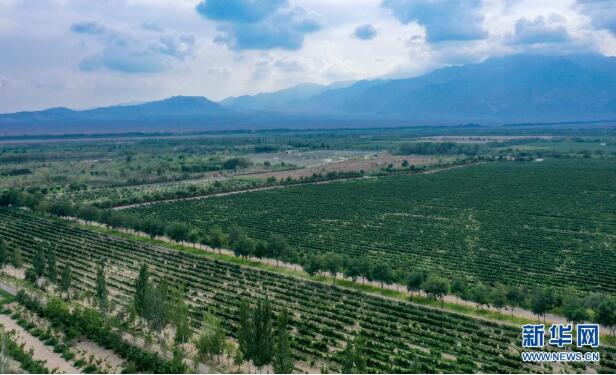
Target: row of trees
[(541, 300), (439, 148), (35, 198), (259, 342), (242, 245), (43, 266), (12, 256), (380, 272), (263, 336), (596, 307), (158, 304)]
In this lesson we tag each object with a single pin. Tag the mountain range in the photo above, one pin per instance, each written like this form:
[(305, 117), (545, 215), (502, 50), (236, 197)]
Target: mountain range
[(518, 88)]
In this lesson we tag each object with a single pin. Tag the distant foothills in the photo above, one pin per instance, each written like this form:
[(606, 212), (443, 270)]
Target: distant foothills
[(513, 89)]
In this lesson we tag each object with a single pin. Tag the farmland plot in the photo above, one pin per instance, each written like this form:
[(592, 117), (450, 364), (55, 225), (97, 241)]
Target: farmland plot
[(550, 223), (402, 337)]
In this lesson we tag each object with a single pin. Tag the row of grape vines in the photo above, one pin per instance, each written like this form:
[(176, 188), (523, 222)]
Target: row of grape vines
[(549, 224), (402, 337)]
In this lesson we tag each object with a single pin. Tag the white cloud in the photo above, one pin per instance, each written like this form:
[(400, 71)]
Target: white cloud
[(540, 30), (601, 12), (169, 48), (453, 20), (129, 52)]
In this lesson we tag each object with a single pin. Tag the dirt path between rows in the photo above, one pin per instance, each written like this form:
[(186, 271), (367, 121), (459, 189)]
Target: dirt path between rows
[(431, 171), (40, 350)]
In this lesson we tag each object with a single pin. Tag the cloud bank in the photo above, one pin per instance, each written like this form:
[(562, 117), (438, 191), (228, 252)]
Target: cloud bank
[(83, 53), (454, 20), (259, 24), (128, 53)]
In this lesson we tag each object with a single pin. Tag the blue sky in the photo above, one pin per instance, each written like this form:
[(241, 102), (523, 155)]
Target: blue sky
[(86, 53)]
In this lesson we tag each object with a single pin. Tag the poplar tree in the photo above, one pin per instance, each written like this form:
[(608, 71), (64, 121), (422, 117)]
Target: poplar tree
[(606, 314), (17, 260), (542, 301), (348, 358), (359, 354), (4, 256), (498, 296), (4, 352), (437, 287), (52, 270), (101, 289), (66, 279), (244, 334), (283, 357), (211, 341), (353, 357), (156, 306), (141, 286), (255, 333), (179, 317), (38, 263), (263, 335), (333, 264), (244, 246)]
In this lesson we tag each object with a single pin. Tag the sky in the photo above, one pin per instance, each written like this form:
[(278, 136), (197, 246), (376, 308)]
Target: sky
[(89, 53)]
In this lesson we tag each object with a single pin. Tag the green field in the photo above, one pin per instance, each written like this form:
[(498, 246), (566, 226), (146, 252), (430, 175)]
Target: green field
[(545, 223), (402, 337)]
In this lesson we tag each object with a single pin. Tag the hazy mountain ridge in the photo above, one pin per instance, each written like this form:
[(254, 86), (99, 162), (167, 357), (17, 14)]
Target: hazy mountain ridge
[(281, 100), (176, 105), (513, 88), (521, 88)]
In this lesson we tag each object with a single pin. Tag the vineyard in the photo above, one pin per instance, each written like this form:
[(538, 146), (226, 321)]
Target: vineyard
[(402, 337), (126, 195), (547, 223)]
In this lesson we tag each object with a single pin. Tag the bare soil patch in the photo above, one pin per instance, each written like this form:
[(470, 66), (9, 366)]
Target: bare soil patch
[(368, 162)]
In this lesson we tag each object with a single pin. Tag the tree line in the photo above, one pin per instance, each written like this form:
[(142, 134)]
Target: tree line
[(539, 300), (440, 148), (34, 197)]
